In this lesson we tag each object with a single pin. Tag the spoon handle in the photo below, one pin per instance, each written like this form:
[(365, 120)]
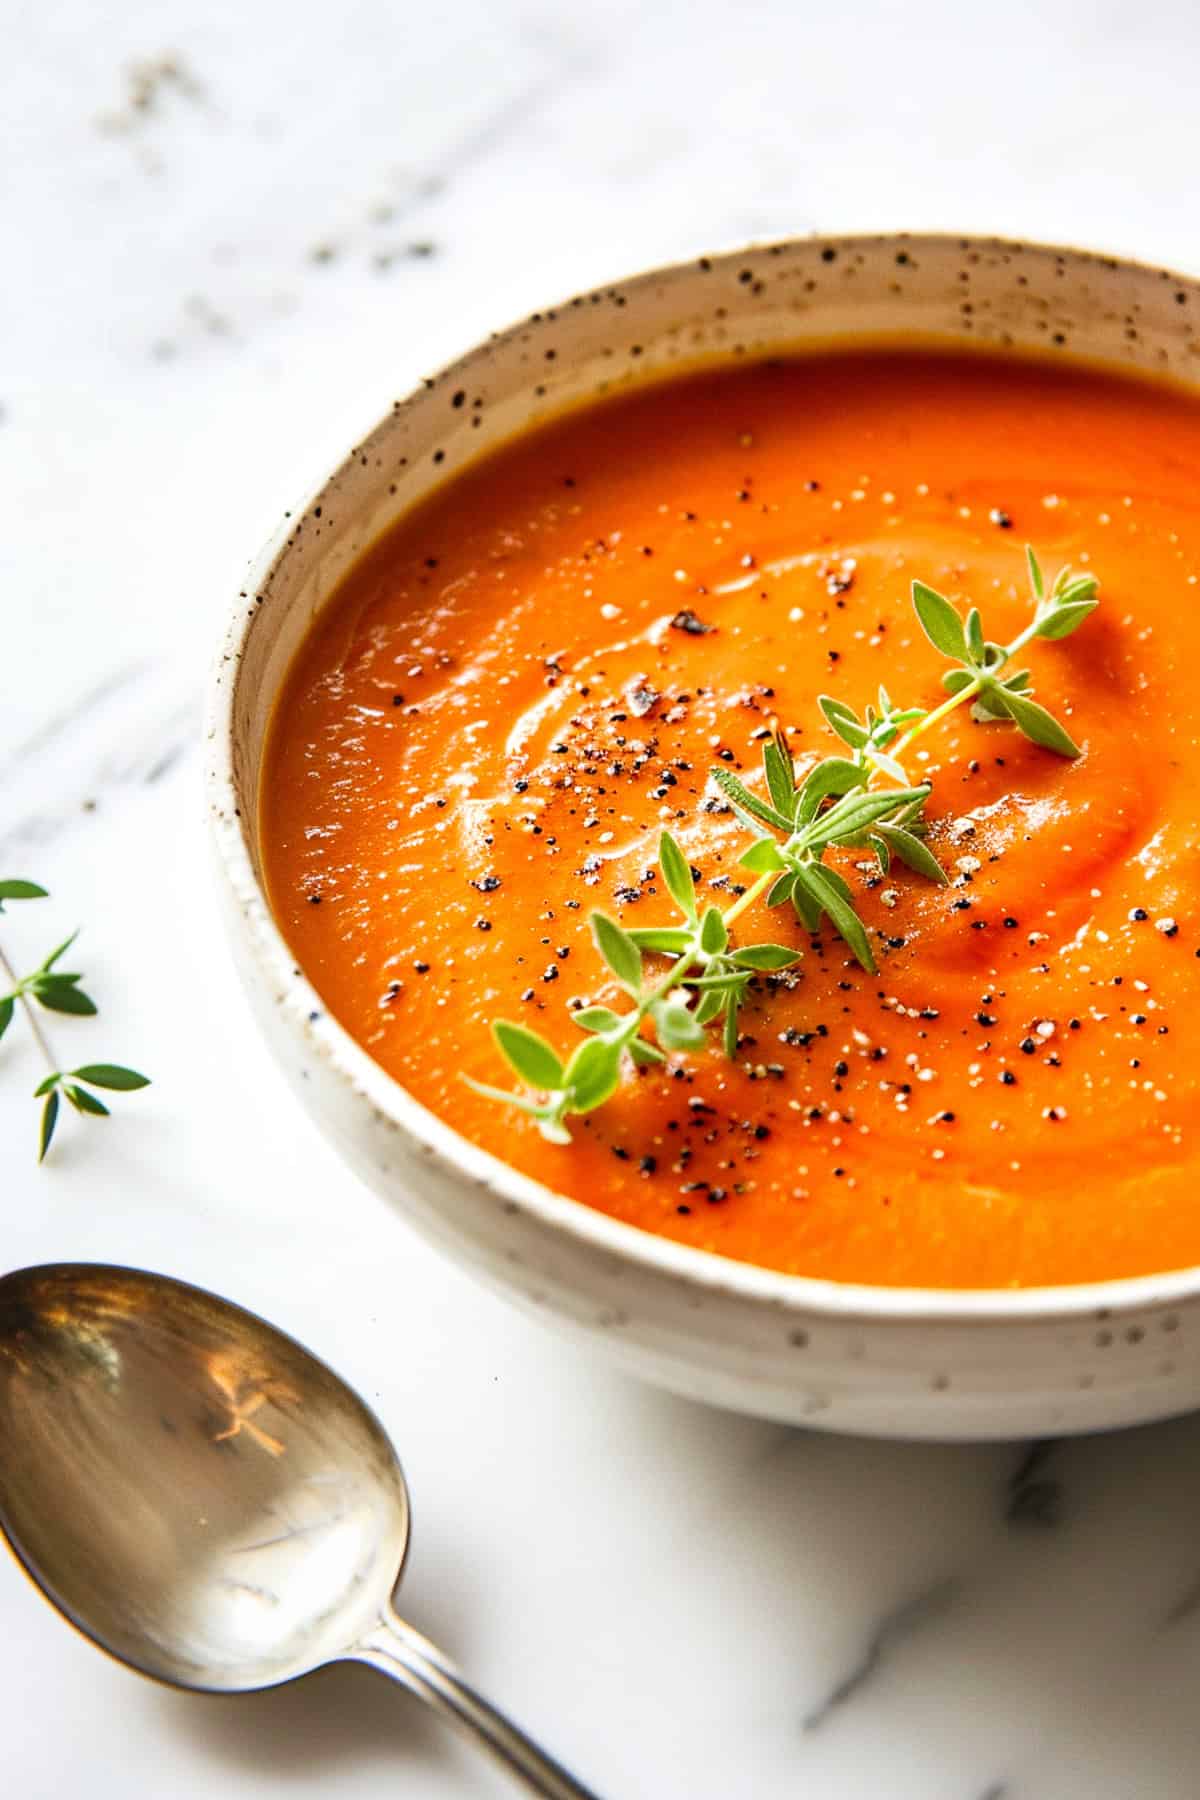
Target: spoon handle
[(397, 1650)]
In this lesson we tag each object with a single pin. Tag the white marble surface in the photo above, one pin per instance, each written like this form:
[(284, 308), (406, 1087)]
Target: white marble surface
[(205, 298)]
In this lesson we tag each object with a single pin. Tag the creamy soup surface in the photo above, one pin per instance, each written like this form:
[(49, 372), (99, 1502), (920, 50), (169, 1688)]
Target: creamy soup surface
[(531, 674)]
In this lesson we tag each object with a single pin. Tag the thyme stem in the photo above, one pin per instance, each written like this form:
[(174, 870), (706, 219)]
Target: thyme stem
[(18, 993), (749, 897), (897, 750), (935, 718)]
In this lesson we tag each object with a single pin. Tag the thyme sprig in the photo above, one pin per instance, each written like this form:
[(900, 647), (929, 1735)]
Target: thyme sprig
[(57, 990), (835, 805), (891, 822), (706, 982), (982, 673)]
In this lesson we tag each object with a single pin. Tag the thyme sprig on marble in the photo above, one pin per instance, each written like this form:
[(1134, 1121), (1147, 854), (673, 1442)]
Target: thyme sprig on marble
[(836, 805), (57, 990)]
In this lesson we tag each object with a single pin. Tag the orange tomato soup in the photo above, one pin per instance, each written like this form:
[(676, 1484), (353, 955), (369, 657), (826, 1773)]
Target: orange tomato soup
[(511, 695)]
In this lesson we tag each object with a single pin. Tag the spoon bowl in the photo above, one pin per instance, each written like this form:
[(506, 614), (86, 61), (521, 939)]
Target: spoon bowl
[(253, 1499), (206, 1500)]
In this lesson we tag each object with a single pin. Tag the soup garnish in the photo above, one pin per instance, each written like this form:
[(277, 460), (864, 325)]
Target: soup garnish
[(831, 807)]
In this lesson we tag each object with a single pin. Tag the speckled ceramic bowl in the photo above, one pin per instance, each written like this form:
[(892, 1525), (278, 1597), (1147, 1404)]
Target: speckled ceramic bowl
[(896, 1362)]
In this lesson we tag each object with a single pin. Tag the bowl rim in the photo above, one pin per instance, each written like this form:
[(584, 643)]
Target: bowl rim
[(398, 1110)]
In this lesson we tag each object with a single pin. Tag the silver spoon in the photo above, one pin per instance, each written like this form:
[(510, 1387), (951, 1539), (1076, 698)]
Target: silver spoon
[(208, 1502)]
